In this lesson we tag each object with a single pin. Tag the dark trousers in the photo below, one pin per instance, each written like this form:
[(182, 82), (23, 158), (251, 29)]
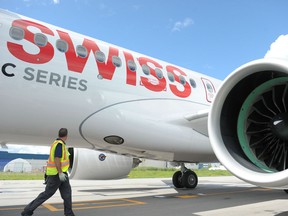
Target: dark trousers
[(53, 184)]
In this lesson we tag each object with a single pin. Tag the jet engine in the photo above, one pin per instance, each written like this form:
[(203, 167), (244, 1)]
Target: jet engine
[(248, 123), (86, 164)]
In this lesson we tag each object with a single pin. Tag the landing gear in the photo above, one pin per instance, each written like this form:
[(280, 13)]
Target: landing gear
[(189, 179), (177, 179), (185, 178)]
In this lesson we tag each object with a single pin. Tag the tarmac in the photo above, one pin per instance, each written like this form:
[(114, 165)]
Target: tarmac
[(214, 196)]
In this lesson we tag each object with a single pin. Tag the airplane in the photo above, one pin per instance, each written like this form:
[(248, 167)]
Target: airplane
[(119, 101)]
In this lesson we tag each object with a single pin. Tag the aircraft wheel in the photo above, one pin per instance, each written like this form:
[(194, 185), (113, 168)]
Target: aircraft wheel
[(189, 179), (286, 191), (177, 179)]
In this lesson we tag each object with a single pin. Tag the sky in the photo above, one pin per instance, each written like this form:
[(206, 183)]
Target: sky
[(208, 36), (213, 37)]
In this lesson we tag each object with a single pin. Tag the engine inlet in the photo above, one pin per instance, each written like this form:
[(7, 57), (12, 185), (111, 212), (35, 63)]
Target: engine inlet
[(263, 125)]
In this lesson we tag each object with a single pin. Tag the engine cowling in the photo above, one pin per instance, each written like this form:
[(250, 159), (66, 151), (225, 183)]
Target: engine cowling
[(86, 164), (248, 123)]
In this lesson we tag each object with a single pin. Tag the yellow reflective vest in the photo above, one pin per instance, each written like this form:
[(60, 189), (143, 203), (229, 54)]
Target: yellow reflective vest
[(64, 160)]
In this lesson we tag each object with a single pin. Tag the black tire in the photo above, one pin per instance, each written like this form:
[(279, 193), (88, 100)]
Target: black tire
[(177, 179), (286, 191), (189, 179)]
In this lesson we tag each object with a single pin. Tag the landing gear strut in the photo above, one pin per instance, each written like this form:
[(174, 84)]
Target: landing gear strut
[(185, 178)]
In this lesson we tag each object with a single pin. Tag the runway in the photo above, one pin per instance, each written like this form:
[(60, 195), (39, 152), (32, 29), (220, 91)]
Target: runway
[(126, 197)]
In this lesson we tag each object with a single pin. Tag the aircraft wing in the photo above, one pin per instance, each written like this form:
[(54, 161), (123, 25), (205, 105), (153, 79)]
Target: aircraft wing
[(199, 121)]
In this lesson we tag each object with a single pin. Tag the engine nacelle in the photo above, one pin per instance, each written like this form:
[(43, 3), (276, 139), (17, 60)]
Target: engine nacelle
[(248, 123), (86, 164)]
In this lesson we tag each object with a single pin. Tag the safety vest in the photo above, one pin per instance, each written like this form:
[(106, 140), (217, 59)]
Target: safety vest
[(64, 160)]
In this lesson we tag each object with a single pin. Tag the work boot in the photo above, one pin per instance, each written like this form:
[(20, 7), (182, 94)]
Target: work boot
[(25, 214)]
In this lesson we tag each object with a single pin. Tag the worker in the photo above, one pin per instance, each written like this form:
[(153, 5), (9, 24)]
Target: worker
[(57, 177)]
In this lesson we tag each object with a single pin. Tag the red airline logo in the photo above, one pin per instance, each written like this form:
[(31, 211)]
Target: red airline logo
[(106, 69)]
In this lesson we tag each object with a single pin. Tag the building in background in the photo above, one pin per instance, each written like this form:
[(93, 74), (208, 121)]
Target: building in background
[(36, 161), (18, 165)]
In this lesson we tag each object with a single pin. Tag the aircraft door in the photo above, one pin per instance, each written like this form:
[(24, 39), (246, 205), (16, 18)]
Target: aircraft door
[(209, 89)]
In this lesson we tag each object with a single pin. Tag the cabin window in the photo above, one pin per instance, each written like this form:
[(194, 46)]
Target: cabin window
[(40, 39), (62, 45), (81, 51), (192, 83), (131, 65), (146, 69), (116, 61), (182, 80), (159, 73), (171, 76), (100, 56), (16, 33)]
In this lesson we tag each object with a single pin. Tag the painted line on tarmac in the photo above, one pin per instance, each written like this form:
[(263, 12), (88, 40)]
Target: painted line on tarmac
[(95, 204), (191, 196)]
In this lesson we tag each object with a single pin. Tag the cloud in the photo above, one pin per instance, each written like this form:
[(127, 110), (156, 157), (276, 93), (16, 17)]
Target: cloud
[(279, 48), (56, 1), (29, 3), (179, 25)]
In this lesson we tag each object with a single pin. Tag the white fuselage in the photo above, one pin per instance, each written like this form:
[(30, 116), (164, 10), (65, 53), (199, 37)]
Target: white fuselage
[(43, 88)]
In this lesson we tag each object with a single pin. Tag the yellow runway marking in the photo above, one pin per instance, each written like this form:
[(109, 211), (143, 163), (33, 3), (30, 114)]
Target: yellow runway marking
[(221, 193), (85, 205), (262, 189), (95, 204), (135, 201), (187, 196), (50, 207)]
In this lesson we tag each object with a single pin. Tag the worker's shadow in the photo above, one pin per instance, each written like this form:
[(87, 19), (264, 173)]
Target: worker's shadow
[(282, 214)]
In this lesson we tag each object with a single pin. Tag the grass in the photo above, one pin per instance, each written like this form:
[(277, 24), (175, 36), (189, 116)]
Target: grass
[(139, 172), (21, 176), (144, 172)]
